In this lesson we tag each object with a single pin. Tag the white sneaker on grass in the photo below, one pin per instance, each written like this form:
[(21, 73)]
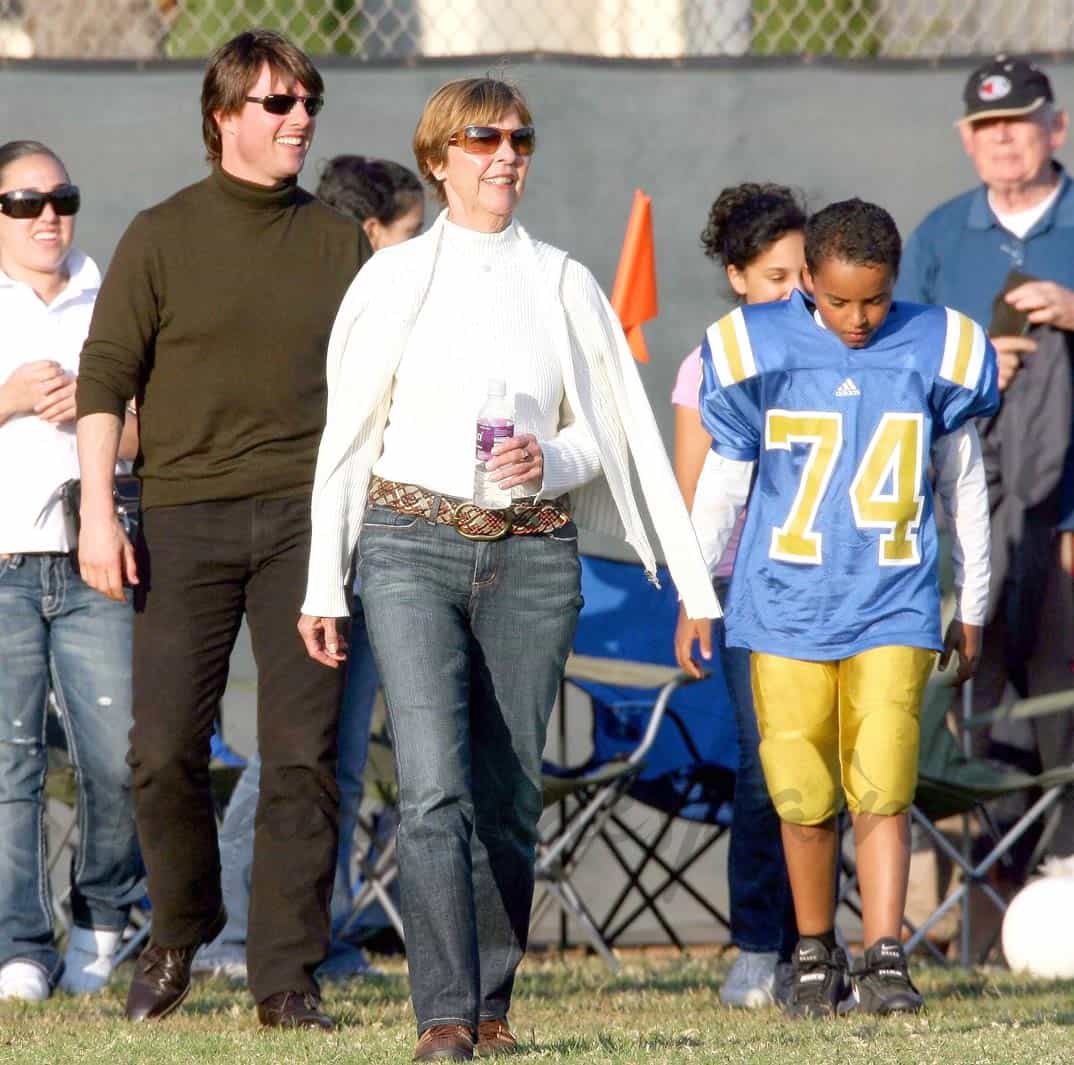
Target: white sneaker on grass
[(88, 960), (751, 983), (24, 980)]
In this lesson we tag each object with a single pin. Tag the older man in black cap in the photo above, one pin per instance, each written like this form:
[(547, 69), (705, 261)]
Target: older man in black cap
[(1003, 253), (1020, 218)]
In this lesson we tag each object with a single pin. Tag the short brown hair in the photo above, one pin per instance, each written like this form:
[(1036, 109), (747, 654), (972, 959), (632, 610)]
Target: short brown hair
[(235, 67), (465, 102)]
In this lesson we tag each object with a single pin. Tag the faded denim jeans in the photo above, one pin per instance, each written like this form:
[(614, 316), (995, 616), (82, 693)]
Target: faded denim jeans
[(470, 639), (57, 633)]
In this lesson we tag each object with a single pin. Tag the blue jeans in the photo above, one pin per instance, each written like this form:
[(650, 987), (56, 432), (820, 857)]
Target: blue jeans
[(470, 639), (56, 632), (355, 719), (762, 910), (237, 831)]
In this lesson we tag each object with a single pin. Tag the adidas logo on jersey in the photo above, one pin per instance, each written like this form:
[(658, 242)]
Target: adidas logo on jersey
[(847, 388)]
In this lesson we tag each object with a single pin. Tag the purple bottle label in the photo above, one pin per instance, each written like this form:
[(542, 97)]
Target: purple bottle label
[(488, 432)]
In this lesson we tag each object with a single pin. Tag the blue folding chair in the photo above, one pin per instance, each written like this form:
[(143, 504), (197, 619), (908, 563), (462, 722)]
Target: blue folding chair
[(657, 738)]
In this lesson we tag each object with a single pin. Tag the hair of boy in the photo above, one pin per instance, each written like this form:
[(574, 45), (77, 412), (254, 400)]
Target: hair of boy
[(369, 188), (745, 220), (236, 66), (853, 231)]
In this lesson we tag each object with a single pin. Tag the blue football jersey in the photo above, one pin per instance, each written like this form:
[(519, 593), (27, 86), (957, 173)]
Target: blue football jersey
[(839, 549)]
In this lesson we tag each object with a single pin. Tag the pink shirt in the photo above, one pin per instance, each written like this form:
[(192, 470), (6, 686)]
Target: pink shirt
[(685, 394)]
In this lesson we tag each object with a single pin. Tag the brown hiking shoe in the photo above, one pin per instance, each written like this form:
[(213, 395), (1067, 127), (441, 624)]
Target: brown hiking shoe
[(445, 1042), (494, 1036)]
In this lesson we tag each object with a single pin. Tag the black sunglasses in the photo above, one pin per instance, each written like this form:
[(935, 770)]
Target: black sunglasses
[(29, 203), (282, 103)]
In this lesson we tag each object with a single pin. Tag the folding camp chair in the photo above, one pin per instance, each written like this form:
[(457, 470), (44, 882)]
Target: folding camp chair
[(952, 782), (655, 741)]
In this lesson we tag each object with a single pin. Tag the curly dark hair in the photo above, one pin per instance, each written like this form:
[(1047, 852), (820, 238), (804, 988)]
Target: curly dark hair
[(746, 219), (369, 188), (856, 232)]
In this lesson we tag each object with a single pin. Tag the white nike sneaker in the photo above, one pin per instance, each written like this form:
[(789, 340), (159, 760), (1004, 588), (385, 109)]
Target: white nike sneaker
[(751, 983), (24, 980), (88, 960)]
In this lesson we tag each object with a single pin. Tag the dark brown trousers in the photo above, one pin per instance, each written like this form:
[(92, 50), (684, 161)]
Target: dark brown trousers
[(203, 567)]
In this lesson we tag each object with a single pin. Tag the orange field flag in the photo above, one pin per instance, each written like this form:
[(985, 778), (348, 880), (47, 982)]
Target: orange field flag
[(634, 292)]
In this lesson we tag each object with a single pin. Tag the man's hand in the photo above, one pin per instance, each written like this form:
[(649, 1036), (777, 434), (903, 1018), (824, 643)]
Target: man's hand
[(1045, 302), (966, 641), (26, 386), (105, 555), (687, 632), (323, 641), (57, 404), (1009, 354)]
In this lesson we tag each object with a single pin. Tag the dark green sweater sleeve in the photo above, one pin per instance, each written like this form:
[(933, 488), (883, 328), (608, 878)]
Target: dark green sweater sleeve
[(125, 320)]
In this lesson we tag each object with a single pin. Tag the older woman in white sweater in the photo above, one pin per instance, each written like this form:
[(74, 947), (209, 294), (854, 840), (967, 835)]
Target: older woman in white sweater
[(471, 634)]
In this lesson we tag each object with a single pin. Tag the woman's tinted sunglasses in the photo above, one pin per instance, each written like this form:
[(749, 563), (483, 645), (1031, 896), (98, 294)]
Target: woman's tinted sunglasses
[(486, 140)]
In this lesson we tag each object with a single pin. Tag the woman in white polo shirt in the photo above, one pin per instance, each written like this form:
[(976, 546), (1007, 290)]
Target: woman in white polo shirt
[(55, 632)]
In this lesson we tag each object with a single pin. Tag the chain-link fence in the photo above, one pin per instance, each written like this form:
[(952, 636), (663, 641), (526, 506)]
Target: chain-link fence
[(377, 29)]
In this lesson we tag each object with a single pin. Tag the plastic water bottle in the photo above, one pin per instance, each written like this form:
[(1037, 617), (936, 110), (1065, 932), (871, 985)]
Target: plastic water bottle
[(495, 421)]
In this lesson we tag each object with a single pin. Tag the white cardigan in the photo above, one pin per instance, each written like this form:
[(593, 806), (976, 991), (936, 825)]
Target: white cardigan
[(602, 387)]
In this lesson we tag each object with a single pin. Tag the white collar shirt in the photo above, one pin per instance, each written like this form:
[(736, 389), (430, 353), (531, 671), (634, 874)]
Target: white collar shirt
[(35, 456)]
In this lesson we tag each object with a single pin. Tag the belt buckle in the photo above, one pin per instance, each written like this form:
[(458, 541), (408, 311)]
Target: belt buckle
[(464, 512)]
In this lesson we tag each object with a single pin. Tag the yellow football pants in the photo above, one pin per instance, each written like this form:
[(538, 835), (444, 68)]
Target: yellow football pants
[(829, 728)]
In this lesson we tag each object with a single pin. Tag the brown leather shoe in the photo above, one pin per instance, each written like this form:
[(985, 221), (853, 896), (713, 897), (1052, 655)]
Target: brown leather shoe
[(292, 1009), (162, 976), (495, 1037), (445, 1042)]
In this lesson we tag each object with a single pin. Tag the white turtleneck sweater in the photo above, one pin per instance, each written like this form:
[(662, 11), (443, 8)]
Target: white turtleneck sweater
[(479, 321), (370, 341)]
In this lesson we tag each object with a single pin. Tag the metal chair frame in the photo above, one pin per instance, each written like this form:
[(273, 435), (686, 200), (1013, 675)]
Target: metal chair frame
[(596, 792)]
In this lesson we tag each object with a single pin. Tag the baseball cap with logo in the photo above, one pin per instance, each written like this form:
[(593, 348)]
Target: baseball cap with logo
[(1005, 86)]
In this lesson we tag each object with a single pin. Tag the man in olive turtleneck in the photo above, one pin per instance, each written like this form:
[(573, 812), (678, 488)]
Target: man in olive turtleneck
[(216, 312)]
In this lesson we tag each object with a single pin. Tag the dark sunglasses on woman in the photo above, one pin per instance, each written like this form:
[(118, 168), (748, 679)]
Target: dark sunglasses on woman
[(29, 203), (486, 140), (283, 103)]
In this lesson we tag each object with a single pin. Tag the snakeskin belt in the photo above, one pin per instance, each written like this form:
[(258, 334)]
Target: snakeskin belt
[(523, 518)]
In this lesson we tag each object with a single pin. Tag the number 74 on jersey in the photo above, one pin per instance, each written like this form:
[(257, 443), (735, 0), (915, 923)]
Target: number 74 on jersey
[(885, 493)]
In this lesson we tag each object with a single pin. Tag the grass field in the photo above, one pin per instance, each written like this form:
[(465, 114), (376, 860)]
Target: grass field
[(657, 1010)]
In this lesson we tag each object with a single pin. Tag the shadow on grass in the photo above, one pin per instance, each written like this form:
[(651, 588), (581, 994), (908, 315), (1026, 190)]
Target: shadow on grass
[(609, 1044), (690, 977), (969, 987)]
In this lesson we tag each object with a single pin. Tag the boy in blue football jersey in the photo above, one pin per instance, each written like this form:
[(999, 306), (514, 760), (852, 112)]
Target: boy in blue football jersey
[(825, 412)]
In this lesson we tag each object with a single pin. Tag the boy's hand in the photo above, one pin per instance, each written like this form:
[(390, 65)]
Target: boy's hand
[(687, 631), (966, 640)]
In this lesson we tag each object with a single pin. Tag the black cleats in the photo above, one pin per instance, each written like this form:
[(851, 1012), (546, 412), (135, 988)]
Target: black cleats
[(820, 985), (882, 982)]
